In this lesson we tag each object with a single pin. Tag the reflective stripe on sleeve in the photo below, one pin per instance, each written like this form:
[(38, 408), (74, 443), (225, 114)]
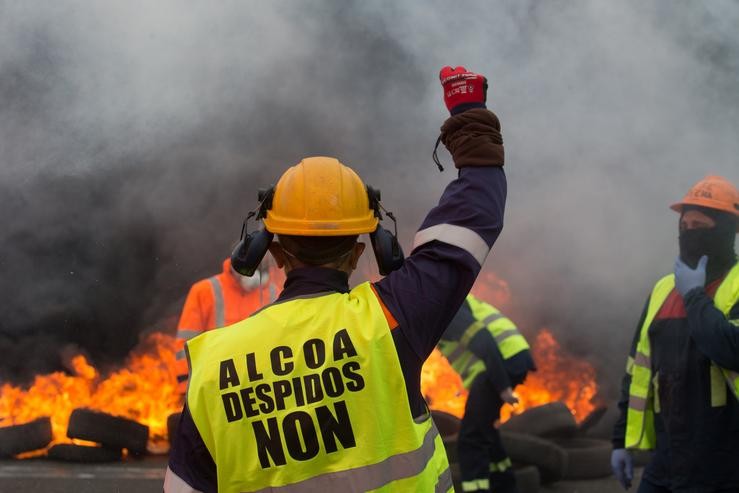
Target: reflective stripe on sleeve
[(218, 312), (180, 354), (501, 466), (175, 484), (718, 387), (476, 485), (368, 477), (506, 334), (458, 236), (187, 334)]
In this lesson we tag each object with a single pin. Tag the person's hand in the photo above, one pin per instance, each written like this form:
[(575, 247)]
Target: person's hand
[(463, 89), (622, 466), (687, 279), (508, 397)]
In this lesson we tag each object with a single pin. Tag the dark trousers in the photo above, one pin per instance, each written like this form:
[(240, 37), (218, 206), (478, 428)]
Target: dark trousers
[(479, 447), (647, 487)]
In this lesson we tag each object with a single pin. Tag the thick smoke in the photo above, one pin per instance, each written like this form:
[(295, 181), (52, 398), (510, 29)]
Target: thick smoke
[(134, 136)]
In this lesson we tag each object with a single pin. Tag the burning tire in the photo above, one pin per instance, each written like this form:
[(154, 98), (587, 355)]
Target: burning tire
[(586, 458), (110, 431), (549, 458), (550, 420), (173, 421), (83, 453), (447, 424), (25, 438), (592, 420), (527, 478)]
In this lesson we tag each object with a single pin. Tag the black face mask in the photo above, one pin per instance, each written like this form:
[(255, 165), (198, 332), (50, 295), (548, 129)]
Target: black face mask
[(717, 243)]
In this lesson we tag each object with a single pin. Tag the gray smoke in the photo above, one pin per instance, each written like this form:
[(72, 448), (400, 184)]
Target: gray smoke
[(134, 136)]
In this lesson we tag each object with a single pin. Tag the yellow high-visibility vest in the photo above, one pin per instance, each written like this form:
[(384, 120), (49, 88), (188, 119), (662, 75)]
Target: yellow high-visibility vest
[(509, 340), (643, 401), (308, 395)]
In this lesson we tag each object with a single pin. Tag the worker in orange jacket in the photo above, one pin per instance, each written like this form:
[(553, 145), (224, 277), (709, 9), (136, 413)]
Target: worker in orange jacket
[(218, 301)]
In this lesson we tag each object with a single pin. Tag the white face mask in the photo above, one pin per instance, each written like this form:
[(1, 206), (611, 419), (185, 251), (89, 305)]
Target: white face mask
[(253, 282)]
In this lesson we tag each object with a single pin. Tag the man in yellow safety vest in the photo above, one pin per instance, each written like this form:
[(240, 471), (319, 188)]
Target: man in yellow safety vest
[(680, 394), (492, 357), (320, 391)]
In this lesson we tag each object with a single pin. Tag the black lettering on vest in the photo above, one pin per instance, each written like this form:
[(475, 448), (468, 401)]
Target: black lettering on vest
[(298, 391), (268, 443), (279, 367), (268, 404), (247, 397), (350, 371), (315, 353), (313, 390), (333, 384), (335, 427), (229, 378), (282, 389), (251, 368), (343, 346), (232, 406), (293, 435)]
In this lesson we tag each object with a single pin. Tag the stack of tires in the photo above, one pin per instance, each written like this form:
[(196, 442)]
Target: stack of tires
[(110, 436), (545, 445)]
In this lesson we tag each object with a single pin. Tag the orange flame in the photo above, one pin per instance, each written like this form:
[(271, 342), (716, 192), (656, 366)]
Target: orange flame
[(145, 391), (559, 377)]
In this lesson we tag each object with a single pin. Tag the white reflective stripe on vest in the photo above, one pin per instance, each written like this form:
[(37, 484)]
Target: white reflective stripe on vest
[(188, 334), (175, 484), (460, 237), (470, 332), (218, 302), (368, 477)]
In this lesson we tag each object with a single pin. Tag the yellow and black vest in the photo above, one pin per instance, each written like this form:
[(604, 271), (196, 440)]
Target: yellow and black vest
[(308, 395), (643, 401), (509, 340)]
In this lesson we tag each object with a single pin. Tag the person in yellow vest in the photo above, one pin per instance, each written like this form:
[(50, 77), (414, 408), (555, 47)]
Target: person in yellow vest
[(492, 357), (218, 301), (680, 393), (320, 391)]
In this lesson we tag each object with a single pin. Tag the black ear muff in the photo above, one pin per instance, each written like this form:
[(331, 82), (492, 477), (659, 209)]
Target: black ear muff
[(251, 249), (388, 253)]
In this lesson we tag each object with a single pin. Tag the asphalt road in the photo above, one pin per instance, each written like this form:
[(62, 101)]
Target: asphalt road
[(147, 475)]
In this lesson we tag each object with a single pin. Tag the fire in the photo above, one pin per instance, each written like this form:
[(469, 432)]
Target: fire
[(145, 391), (559, 377)]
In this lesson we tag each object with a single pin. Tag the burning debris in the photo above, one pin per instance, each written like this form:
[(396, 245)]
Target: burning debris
[(136, 401)]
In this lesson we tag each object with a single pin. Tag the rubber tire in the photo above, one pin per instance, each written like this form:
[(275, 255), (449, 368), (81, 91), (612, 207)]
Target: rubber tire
[(587, 458), (110, 431), (70, 452), (29, 436), (447, 424), (527, 478), (592, 419), (550, 420), (173, 421), (548, 457)]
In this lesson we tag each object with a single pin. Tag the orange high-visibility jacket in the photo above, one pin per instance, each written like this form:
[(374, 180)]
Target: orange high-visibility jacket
[(214, 302)]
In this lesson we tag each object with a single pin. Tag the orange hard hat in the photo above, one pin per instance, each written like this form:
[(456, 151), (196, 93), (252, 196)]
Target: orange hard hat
[(713, 192), (320, 197)]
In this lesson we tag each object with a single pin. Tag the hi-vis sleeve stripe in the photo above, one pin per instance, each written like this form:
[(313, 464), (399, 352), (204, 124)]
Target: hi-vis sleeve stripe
[(174, 484), (372, 476), (459, 236), (188, 334), (219, 314)]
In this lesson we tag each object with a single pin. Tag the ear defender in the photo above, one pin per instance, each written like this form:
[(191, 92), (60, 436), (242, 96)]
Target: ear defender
[(388, 252), (252, 247)]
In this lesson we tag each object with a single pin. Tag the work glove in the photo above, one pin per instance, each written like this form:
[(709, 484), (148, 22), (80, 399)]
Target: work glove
[(463, 89), (687, 279), (622, 466), (508, 396)]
